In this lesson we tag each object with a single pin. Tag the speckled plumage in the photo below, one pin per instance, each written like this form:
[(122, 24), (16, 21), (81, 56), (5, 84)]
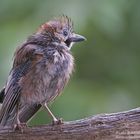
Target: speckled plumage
[(52, 65), (41, 69)]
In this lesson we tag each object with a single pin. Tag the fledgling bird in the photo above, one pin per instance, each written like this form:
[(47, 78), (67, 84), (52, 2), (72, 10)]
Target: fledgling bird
[(41, 69)]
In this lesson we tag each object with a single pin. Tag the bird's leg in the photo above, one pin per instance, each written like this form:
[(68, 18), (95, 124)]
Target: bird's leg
[(55, 120), (18, 125)]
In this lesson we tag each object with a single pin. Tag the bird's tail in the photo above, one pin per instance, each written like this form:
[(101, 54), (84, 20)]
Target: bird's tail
[(2, 93), (25, 114)]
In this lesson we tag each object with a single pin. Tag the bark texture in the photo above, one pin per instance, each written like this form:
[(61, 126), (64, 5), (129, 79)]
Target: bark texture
[(116, 126)]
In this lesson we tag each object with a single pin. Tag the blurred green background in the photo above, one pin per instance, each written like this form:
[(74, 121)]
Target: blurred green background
[(106, 77)]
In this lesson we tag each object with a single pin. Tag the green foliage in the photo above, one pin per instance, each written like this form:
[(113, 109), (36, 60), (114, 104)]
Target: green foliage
[(107, 76)]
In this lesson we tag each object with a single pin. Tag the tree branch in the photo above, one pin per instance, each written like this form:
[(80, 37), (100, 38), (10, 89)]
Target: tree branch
[(120, 126)]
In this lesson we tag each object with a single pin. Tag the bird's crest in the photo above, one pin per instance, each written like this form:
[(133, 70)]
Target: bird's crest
[(64, 21), (57, 22)]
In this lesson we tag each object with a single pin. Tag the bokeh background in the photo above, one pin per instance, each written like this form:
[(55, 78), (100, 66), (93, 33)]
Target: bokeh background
[(107, 72)]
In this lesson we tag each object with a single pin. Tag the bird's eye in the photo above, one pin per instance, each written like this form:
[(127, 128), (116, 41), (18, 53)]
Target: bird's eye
[(65, 32)]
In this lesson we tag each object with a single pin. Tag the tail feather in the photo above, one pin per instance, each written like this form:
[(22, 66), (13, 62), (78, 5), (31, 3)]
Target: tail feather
[(25, 114), (2, 94)]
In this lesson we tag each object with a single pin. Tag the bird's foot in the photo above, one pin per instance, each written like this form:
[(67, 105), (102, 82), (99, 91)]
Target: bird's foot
[(20, 126), (57, 121)]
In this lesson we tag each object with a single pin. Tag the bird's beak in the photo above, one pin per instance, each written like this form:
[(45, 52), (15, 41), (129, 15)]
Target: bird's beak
[(76, 38)]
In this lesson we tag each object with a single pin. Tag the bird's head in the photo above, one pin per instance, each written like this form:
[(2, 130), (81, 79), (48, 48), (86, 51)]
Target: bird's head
[(61, 30)]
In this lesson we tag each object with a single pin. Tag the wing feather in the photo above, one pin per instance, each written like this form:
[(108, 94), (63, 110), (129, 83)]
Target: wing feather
[(21, 66)]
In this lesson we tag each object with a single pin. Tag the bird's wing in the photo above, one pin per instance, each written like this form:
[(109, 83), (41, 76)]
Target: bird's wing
[(12, 92), (22, 64)]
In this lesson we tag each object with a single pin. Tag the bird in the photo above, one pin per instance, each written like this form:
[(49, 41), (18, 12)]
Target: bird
[(42, 67)]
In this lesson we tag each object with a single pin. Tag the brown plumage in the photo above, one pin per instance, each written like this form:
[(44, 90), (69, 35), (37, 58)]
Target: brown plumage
[(41, 69)]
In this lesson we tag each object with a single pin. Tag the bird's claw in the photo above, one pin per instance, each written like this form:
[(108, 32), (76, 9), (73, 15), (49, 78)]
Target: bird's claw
[(57, 121), (20, 126)]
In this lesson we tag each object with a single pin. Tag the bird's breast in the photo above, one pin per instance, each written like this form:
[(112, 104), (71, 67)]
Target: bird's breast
[(48, 78)]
